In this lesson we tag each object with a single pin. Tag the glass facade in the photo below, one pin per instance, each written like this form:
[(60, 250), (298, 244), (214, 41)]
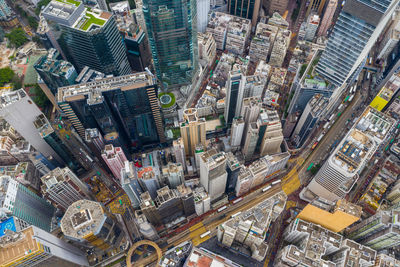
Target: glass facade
[(242, 8), (347, 43), (172, 30)]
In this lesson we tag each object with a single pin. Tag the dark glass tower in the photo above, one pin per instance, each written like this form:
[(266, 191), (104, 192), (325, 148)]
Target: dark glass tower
[(247, 9), (171, 26), (89, 37)]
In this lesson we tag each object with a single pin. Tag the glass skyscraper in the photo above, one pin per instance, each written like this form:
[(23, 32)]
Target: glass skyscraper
[(359, 24), (171, 26), (88, 37)]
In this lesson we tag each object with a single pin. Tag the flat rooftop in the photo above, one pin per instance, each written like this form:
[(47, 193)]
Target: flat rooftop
[(204, 258), (9, 97), (43, 125)]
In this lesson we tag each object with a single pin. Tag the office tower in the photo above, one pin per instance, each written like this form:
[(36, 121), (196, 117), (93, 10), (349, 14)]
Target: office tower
[(327, 18), (202, 201), (187, 198), (230, 32), (249, 229), (173, 174), (311, 245), (54, 73), (311, 115), (115, 159), (332, 216), (213, 174), (169, 204), (172, 31), (138, 50), (89, 37), (94, 141), (273, 136), (234, 95), (202, 9), (130, 184), (149, 209), (237, 130), (245, 9), (336, 66), (207, 48), (18, 109), (380, 231), (193, 131), (244, 180), (250, 142), (149, 180), (103, 103), (145, 228), (17, 200), (178, 149), (311, 27), (279, 6), (62, 188), (250, 110), (342, 169), (232, 168), (35, 247), (89, 223), (280, 47), (262, 42), (317, 6)]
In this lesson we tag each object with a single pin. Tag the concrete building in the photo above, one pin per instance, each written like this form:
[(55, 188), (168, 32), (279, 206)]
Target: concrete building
[(17, 200), (88, 223), (193, 131), (36, 247), (311, 27), (234, 95), (280, 47), (149, 209), (312, 245), (332, 216), (254, 85), (203, 257), (272, 136), (173, 174), (314, 111), (176, 255), (383, 260), (169, 204), (262, 42), (340, 172), (149, 179), (207, 48), (250, 110), (145, 228), (202, 201), (237, 130), (247, 231), (327, 17), (380, 231), (187, 197), (115, 159), (233, 169), (245, 9), (244, 181), (202, 8), (23, 172), (178, 149), (250, 142), (316, 6), (278, 6), (213, 175), (62, 188), (130, 184)]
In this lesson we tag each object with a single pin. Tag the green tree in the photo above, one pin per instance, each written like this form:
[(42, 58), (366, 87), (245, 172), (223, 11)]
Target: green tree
[(17, 37), (33, 22), (6, 75), (40, 4), (40, 98)]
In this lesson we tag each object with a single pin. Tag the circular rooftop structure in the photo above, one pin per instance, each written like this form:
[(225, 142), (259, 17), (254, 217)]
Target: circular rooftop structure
[(143, 253), (167, 100)]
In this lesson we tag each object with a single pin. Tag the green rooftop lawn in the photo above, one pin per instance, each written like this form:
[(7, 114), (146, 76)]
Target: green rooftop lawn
[(92, 20), (73, 2), (170, 103)]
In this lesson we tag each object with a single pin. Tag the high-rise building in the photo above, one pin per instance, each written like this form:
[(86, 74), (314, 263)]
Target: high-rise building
[(17, 200), (130, 184), (115, 159), (234, 95), (342, 169), (149, 209), (172, 31), (237, 130), (36, 247), (95, 141), (317, 6), (173, 175), (359, 25), (202, 201), (169, 204), (332, 216), (380, 231), (193, 131), (250, 109), (23, 172), (327, 18), (138, 50), (18, 109), (314, 110), (207, 49), (271, 130), (5, 10), (233, 169), (62, 188), (146, 229), (102, 104), (89, 37), (245, 9), (187, 198), (279, 6), (178, 149), (213, 174), (89, 223), (250, 142), (202, 9), (280, 48), (311, 27), (54, 73), (262, 42)]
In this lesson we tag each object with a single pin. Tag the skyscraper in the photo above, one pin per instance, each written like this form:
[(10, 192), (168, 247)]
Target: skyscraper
[(102, 104), (203, 8), (130, 184), (234, 95), (317, 6), (171, 26), (359, 25), (213, 173), (327, 17), (89, 37), (193, 131), (17, 200), (246, 9), (62, 187)]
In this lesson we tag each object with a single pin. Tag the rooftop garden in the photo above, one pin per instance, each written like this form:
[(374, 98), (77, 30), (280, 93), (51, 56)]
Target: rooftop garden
[(167, 99), (90, 20), (72, 2)]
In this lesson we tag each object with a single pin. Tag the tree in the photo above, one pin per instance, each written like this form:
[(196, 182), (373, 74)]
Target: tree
[(17, 37), (33, 22), (40, 98), (40, 4), (6, 75)]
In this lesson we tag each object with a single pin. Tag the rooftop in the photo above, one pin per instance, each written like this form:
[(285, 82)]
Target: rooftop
[(200, 257), (213, 158), (43, 125), (9, 97)]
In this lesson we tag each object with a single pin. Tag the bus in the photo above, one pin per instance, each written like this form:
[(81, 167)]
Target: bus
[(325, 125), (332, 116), (368, 75), (398, 126), (339, 114), (205, 234), (309, 167), (340, 106), (314, 145), (391, 141), (276, 182), (222, 208), (236, 214), (237, 200), (266, 188), (320, 137), (347, 98), (351, 98)]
